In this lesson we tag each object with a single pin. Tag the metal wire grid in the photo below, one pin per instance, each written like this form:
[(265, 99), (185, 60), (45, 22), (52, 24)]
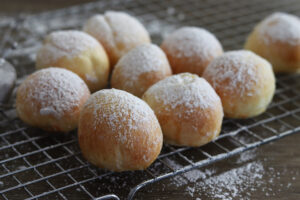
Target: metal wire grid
[(38, 165)]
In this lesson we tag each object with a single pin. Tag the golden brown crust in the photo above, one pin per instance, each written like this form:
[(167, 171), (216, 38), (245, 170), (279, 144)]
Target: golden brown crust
[(130, 144), (195, 64), (276, 38), (249, 87), (187, 123), (140, 68), (284, 57), (191, 49), (30, 104), (196, 129), (144, 81)]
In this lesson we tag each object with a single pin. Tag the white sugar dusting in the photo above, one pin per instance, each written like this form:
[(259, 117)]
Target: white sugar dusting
[(281, 27), (126, 29), (230, 184), (7, 73), (192, 41), (56, 90), (124, 114), (238, 69), (184, 89), (240, 182), (100, 28), (118, 30), (142, 59), (69, 44)]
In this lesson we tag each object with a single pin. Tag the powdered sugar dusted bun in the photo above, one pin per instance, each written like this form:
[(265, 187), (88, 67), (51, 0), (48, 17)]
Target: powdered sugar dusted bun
[(191, 49), (52, 99), (277, 39), (77, 52), (119, 131), (188, 109), (140, 68), (118, 32), (244, 81)]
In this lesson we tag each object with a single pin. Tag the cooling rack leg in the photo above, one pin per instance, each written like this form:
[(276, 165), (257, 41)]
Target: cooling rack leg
[(109, 196)]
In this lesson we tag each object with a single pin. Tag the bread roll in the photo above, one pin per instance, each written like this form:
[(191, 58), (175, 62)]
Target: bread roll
[(118, 32), (119, 131), (140, 68), (52, 99), (244, 81), (188, 109), (277, 39), (77, 52), (191, 49)]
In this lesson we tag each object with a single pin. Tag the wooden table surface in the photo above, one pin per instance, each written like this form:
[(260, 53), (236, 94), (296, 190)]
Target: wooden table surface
[(268, 172)]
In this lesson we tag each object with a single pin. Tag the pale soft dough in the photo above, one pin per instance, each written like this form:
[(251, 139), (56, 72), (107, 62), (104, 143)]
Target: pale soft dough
[(77, 52), (118, 32)]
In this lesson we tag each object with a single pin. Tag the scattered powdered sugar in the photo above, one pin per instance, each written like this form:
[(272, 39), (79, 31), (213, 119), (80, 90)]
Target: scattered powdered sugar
[(159, 29), (192, 41), (56, 90), (22, 167), (250, 175), (65, 43), (227, 185), (142, 59), (238, 69), (124, 113), (281, 27), (7, 79), (7, 73), (184, 89), (246, 156)]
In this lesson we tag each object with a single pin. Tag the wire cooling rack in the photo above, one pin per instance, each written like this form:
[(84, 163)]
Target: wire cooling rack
[(39, 165)]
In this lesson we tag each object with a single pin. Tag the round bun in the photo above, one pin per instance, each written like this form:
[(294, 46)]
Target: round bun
[(118, 32), (191, 49), (277, 39), (119, 131), (52, 99), (188, 109), (140, 68), (77, 52), (244, 81)]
